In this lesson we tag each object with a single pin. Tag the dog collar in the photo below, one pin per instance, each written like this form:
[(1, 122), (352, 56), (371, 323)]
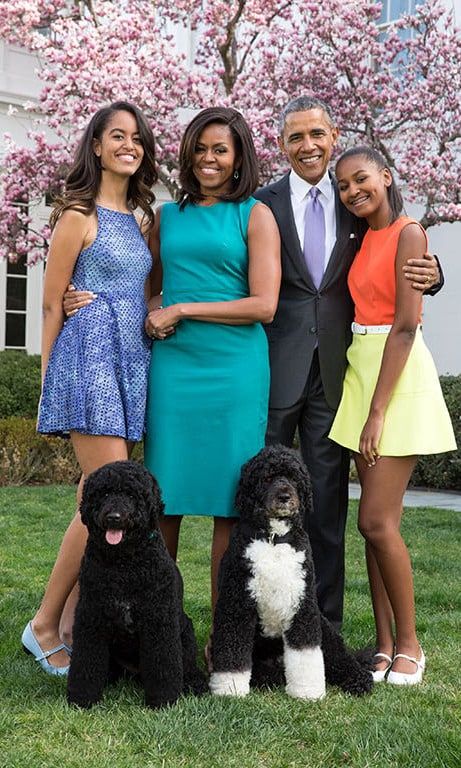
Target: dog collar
[(276, 538)]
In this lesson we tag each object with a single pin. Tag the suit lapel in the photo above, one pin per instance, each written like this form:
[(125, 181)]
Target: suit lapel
[(343, 236), (283, 212)]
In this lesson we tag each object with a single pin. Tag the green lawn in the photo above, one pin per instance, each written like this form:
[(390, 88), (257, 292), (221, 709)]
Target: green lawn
[(392, 727)]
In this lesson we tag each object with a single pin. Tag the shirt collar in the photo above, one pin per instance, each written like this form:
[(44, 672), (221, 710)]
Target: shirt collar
[(299, 188)]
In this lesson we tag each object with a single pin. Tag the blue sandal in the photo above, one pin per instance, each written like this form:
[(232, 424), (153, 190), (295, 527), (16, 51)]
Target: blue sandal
[(30, 645)]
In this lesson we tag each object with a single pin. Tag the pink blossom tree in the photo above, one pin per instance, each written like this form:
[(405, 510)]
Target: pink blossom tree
[(397, 88)]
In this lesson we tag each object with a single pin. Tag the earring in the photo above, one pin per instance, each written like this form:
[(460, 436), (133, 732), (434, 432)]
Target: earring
[(236, 174)]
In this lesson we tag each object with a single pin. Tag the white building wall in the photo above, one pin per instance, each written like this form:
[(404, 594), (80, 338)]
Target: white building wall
[(2, 302), (442, 313), (18, 84), (18, 78)]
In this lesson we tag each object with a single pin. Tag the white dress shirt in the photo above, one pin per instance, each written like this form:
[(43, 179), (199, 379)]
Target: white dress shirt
[(299, 189)]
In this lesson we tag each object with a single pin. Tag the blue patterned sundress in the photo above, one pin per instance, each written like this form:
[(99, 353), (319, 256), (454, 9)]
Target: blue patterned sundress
[(96, 379)]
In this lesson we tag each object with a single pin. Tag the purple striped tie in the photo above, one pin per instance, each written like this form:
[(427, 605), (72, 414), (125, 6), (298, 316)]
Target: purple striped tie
[(314, 236)]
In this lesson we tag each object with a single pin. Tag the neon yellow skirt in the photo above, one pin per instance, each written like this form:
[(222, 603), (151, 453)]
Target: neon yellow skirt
[(416, 421)]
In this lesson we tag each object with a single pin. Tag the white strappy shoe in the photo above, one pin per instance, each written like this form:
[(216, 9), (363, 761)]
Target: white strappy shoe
[(379, 675), (407, 678)]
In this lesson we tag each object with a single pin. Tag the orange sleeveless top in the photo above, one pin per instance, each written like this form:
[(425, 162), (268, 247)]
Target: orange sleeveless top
[(371, 278)]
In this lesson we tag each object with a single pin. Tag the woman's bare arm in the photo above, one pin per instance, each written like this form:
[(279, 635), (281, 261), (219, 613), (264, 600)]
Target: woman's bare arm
[(69, 238)]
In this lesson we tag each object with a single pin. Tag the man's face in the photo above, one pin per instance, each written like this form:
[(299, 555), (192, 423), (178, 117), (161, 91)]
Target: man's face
[(307, 140)]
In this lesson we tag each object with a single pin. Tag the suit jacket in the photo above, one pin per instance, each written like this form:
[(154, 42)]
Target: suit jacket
[(307, 316)]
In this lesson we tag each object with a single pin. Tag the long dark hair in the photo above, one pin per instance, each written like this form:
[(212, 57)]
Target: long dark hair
[(84, 178), (248, 177), (375, 157)]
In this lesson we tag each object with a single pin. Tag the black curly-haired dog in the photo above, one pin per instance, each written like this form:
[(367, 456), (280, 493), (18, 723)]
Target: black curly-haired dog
[(267, 604), (129, 613)]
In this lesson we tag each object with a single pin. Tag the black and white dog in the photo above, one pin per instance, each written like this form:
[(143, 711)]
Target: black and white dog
[(130, 613), (267, 602)]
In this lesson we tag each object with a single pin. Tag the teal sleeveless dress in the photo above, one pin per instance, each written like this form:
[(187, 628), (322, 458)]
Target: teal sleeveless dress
[(208, 384)]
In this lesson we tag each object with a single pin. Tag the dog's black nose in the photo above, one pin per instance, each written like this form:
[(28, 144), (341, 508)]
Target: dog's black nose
[(283, 496), (113, 518)]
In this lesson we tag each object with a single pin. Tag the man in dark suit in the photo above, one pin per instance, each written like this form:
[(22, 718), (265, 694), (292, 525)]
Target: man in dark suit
[(311, 331)]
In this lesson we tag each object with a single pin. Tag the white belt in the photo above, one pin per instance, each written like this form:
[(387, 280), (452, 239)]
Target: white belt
[(363, 329)]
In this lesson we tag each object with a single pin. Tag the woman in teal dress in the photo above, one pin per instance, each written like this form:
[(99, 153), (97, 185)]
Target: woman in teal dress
[(217, 263)]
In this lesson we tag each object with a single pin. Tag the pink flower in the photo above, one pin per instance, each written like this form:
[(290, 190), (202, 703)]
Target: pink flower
[(399, 88)]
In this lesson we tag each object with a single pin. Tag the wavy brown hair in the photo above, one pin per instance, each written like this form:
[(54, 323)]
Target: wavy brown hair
[(248, 180), (84, 178)]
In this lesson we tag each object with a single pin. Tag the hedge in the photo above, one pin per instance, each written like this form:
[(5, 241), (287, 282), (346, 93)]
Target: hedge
[(443, 470), (29, 458), (19, 384), (26, 457)]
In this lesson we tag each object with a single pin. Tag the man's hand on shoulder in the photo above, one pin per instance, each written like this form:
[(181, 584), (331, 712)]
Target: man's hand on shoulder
[(424, 273)]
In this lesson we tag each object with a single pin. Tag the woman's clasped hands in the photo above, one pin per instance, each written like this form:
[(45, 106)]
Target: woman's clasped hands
[(161, 322)]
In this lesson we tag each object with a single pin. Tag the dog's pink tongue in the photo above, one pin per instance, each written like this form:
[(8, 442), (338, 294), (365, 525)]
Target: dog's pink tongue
[(114, 537)]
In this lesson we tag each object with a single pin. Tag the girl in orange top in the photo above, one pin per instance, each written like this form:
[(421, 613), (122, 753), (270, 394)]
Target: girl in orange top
[(392, 408)]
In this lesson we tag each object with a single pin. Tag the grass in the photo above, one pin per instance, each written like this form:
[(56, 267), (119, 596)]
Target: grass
[(412, 728)]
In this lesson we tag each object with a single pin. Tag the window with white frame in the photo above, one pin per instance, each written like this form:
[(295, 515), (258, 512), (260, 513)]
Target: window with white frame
[(20, 300), (16, 304), (393, 9), (16, 299)]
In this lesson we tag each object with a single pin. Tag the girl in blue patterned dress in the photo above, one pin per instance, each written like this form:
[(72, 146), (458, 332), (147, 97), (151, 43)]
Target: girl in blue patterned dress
[(94, 367)]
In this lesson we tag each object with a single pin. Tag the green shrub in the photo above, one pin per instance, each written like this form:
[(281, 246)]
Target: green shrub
[(26, 457), (443, 470), (19, 384), (29, 458)]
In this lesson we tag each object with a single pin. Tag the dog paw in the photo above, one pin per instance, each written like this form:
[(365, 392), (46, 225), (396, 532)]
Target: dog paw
[(230, 683), (154, 702), (313, 693), (304, 673), (359, 684), (196, 684), (81, 703), (199, 687), (365, 657)]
